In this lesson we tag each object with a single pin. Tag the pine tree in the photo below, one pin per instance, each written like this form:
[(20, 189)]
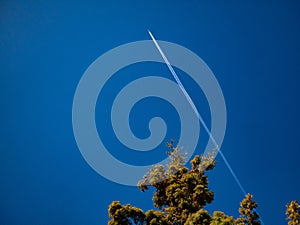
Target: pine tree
[(293, 213), (248, 215), (181, 195)]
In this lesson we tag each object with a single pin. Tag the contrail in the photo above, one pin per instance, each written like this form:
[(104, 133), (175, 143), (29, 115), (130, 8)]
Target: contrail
[(197, 114), (196, 111)]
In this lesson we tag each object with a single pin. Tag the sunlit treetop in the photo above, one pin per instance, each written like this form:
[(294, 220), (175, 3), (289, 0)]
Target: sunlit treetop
[(181, 194)]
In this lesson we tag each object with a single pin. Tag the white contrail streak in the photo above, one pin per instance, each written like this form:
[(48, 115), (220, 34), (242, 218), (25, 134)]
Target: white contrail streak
[(196, 111), (182, 88)]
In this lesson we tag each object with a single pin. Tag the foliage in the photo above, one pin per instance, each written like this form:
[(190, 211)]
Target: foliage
[(293, 213), (219, 218), (125, 214), (181, 195), (179, 191), (200, 217), (247, 212)]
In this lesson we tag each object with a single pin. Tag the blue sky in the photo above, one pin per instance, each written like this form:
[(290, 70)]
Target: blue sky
[(252, 47)]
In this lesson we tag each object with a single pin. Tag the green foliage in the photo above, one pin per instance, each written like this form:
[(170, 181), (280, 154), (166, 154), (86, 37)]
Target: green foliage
[(155, 217), (179, 191), (247, 212), (158, 173), (125, 214), (128, 215), (219, 218), (293, 213), (200, 217), (181, 194)]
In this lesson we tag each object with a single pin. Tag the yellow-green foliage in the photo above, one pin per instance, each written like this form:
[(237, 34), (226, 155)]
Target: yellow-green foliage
[(181, 194), (247, 212), (293, 213)]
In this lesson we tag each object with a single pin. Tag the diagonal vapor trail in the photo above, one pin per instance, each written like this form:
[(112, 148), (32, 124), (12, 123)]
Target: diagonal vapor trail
[(197, 113)]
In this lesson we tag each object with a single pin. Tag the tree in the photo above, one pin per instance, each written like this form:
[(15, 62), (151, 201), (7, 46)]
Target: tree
[(247, 212), (293, 213), (180, 196), (219, 218), (125, 214)]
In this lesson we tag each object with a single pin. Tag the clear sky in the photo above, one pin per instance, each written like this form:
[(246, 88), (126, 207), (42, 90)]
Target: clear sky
[(253, 48)]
